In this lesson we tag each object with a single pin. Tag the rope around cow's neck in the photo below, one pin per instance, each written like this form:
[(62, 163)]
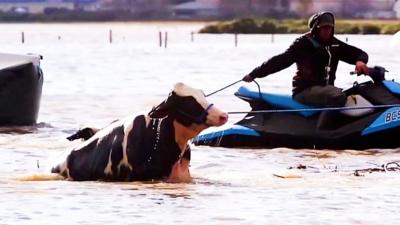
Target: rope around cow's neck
[(314, 109)]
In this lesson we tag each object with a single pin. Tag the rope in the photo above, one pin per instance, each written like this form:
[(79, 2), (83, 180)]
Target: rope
[(313, 109), (393, 166), (387, 167), (224, 88), (259, 89), (229, 85)]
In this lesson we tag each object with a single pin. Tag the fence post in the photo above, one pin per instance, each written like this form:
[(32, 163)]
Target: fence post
[(160, 38), (236, 40), (165, 39)]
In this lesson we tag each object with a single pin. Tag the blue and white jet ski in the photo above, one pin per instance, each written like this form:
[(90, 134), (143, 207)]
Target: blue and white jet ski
[(370, 119)]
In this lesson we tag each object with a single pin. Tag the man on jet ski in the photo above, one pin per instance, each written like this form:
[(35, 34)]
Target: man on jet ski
[(316, 54)]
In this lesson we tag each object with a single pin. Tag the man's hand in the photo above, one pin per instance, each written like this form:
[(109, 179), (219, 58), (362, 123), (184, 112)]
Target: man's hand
[(361, 68), (247, 78)]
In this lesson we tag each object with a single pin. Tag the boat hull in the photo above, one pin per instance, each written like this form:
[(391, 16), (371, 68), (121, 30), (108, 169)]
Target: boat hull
[(21, 81)]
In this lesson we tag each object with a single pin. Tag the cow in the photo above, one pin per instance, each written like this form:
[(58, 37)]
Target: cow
[(151, 146)]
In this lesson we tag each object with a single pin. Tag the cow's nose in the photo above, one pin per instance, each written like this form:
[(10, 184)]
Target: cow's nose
[(223, 118)]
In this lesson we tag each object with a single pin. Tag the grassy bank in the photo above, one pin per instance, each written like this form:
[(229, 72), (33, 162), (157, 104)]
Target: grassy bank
[(271, 26)]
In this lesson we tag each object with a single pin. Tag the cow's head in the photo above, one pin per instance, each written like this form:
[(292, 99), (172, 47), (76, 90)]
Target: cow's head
[(189, 106)]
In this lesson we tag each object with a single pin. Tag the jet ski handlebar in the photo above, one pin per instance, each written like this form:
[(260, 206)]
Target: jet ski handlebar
[(377, 73)]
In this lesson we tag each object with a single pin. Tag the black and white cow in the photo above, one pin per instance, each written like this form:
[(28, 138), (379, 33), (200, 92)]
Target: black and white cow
[(145, 147)]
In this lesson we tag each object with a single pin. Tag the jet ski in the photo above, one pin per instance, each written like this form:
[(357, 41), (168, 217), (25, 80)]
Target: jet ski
[(370, 119), (21, 81)]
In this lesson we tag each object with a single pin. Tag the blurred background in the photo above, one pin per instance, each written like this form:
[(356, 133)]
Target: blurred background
[(106, 59), (117, 10)]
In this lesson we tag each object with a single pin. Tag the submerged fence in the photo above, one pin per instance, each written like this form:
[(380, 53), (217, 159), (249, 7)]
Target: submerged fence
[(162, 37)]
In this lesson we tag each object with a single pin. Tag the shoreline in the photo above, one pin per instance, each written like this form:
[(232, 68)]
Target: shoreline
[(290, 26)]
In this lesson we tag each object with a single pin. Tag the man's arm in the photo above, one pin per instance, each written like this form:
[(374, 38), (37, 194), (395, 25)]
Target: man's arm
[(355, 56), (276, 63)]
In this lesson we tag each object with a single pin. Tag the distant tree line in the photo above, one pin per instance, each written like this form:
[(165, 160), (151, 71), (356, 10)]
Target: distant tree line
[(273, 26)]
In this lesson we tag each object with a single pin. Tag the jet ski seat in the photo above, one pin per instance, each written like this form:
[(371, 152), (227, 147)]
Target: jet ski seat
[(281, 101), (392, 86), (357, 101)]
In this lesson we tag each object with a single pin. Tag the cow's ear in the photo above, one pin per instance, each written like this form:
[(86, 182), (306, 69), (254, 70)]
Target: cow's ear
[(164, 108)]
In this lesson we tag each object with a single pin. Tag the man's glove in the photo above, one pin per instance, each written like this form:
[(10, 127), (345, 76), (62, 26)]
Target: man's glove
[(247, 78), (361, 68)]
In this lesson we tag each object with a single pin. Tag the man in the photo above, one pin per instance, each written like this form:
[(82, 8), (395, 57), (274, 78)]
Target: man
[(316, 54)]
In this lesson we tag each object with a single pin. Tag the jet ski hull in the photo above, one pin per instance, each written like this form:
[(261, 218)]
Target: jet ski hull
[(377, 128)]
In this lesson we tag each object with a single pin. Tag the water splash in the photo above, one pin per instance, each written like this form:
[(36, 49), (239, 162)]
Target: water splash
[(40, 177)]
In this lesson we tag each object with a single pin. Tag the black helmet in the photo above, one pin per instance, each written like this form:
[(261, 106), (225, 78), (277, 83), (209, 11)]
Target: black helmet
[(321, 19)]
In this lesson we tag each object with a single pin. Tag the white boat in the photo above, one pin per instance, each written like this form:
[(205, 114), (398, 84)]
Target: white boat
[(21, 80)]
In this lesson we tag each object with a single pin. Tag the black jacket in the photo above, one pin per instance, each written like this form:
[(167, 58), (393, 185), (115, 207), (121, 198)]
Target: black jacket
[(316, 63)]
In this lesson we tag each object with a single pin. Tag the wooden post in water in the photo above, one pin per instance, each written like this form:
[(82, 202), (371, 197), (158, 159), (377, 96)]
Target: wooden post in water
[(192, 36), (165, 39), (160, 38), (110, 37), (236, 40), (23, 37)]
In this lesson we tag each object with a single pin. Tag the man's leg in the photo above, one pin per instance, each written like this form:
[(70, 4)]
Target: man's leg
[(323, 96)]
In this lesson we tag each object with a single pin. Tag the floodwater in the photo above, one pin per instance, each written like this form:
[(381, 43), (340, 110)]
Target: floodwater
[(89, 81)]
